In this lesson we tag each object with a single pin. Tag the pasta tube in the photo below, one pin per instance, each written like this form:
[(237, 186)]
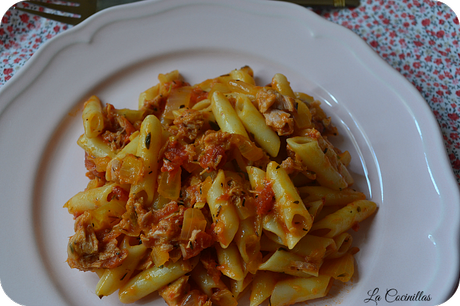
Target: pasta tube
[(341, 268), (208, 190), (95, 146), (214, 288), (148, 95), (113, 279), (330, 196), (148, 149), (225, 115), (315, 159), (247, 238), (93, 120), (223, 212), (299, 289), (262, 286), (237, 287), (296, 218), (308, 246), (343, 243), (154, 278), (230, 262), (343, 219), (254, 122), (90, 199), (281, 84), (290, 263), (242, 75)]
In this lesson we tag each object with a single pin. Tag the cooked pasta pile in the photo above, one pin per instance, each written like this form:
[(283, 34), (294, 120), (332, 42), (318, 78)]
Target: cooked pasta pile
[(208, 190)]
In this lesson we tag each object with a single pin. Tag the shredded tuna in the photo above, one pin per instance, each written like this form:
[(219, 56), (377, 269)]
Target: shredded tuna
[(88, 250), (268, 98), (176, 154), (277, 110), (118, 129), (179, 293), (280, 121), (189, 124), (165, 226), (215, 145), (292, 166)]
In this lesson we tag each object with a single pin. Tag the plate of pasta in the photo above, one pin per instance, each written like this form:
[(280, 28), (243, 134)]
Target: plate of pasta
[(220, 153)]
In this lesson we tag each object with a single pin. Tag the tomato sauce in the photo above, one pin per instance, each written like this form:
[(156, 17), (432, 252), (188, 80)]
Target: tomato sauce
[(213, 157), (202, 241), (265, 199), (174, 156), (119, 194), (198, 95), (176, 84)]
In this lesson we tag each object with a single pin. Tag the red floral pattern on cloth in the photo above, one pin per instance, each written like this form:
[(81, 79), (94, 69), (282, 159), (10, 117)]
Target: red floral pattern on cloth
[(21, 35), (419, 38)]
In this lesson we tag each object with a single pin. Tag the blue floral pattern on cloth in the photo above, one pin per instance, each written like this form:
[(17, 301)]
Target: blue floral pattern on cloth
[(419, 38)]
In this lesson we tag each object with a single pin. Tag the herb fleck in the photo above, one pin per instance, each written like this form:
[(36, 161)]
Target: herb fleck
[(147, 140)]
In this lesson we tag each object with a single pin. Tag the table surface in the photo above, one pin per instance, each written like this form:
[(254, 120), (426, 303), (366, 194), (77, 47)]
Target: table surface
[(419, 38)]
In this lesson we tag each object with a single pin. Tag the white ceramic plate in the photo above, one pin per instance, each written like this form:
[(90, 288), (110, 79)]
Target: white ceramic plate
[(411, 245)]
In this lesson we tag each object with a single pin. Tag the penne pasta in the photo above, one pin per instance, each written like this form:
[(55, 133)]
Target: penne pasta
[(343, 243), (302, 116), (205, 281), (314, 158), (274, 229), (152, 279), (238, 287), (113, 279), (132, 115), (214, 288), (238, 86), (341, 268), (223, 212), (225, 115), (247, 238), (213, 192), (90, 199), (254, 123), (230, 262), (330, 196), (93, 119), (299, 289), (283, 261), (344, 218), (114, 170), (315, 207), (148, 149), (256, 177), (309, 246), (242, 75), (281, 84), (262, 286), (296, 218), (95, 147), (148, 95)]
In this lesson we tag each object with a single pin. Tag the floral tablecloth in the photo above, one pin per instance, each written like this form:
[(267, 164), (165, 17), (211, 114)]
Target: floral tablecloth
[(419, 38)]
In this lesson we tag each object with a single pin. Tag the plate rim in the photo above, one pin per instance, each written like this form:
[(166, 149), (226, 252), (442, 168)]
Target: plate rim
[(33, 68)]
